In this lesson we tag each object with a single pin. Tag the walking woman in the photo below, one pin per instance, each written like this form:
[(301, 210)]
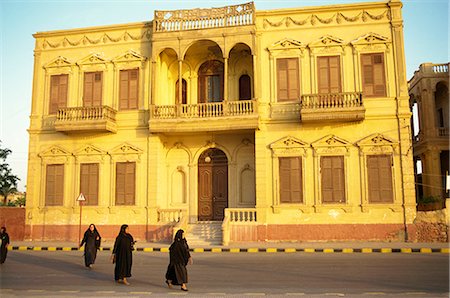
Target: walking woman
[(4, 238), (122, 255), (179, 258), (91, 240)]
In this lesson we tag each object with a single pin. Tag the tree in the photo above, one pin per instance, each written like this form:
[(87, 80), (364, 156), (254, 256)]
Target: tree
[(8, 181)]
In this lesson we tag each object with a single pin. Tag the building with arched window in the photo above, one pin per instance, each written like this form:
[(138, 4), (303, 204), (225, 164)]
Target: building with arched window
[(428, 90), (288, 124)]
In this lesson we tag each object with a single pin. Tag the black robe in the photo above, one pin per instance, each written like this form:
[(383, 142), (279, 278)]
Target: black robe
[(91, 246), (3, 249), (179, 257), (123, 248)]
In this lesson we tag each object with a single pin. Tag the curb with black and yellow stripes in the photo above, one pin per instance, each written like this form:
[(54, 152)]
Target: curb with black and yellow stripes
[(252, 250)]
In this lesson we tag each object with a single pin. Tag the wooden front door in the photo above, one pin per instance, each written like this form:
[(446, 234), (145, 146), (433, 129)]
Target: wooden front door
[(212, 185)]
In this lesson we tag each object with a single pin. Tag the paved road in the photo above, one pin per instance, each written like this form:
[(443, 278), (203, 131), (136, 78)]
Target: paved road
[(49, 274)]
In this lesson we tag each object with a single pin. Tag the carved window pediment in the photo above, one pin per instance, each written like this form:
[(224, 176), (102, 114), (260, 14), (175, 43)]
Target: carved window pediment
[(327, 44), (371, 41), (126, 148), (289, 146), (90, 150), (59, 62), (286, 43), (92, 59), (377, 143), (129, 56), (331, 144), (54, 151)]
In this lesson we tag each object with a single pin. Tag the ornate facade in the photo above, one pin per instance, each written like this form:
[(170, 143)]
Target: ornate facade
[(289, 124), (428, 88)]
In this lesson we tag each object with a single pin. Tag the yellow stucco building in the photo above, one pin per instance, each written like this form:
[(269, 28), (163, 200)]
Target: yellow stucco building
[(288, 124)]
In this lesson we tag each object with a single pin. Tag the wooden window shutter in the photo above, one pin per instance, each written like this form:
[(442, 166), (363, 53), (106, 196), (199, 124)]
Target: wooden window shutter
[(125, 183), (58, 92), (290, 172), (329, 74), (282, 80), (128, 93), (244, 88), (293, 80), (333, 179), (373, 78), (54, 185), (379, 173), (88, 89), (89, 183), (98, 83)]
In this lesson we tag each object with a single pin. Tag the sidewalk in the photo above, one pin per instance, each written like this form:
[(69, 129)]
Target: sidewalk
[(320, 247)]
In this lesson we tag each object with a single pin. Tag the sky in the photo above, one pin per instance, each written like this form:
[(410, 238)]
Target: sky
[(426, 31)]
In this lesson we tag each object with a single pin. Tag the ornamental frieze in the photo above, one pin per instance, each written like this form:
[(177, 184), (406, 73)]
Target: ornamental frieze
[(337, 18), (89, 40)]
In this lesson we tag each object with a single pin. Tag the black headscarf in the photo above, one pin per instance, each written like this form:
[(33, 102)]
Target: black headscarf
[(95, 229), (122, 229), (3, 229)]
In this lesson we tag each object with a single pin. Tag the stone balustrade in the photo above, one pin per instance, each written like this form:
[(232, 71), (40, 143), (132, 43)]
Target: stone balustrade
[(170, 215), (193, 19), (331, 100), (86, 113), (204, 110)]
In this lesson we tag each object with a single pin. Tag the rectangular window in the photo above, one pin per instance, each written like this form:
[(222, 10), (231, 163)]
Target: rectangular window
[(54, 185), (92, 92), (333, 179), (291, 190), (379, 172), (58, 92), (89, 182), (329, 74), (125, 183), (288, 82), (128, 93), (373, 80)]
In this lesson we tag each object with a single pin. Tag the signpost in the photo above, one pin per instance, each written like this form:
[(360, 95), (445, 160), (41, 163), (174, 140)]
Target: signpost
[(80, 199)]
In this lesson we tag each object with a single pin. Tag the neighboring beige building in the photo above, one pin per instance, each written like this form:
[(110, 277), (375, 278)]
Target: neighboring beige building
[(289, 124), (428, 88)]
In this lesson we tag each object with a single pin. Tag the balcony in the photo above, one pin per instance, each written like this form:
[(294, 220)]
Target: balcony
[(82, 119), (193, 19), (346, 106), (214, 116)]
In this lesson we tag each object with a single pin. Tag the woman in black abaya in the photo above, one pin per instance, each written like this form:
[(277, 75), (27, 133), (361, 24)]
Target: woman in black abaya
[(4, 240), (91, 240), (122, 255), (179, 258)]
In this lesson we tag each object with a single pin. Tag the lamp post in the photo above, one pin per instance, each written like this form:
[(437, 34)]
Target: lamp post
[(80, 199)]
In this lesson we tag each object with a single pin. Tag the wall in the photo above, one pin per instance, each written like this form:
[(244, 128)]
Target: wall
[(14, 220)]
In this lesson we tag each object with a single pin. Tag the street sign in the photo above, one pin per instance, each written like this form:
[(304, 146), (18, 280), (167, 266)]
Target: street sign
[(81, 197)]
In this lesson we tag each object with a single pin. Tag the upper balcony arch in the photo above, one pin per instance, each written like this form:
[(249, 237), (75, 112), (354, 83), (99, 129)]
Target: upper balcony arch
[(440, 86), (210, 47), (238, 44)]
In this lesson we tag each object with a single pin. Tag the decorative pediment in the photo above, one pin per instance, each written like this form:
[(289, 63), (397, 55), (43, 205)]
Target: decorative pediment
[(377, 143), (129, 56), (90, 150), (126, 148), (369, 38), (58, 62), (376, 140), (331, 141), (55, 154), (287, 44), (288, 142), (327, 41), (371, 41), (331, 144), (92, 59), (289, 146)]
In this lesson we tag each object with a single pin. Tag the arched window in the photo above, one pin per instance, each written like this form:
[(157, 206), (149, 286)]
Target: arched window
[(183, 92), (210, 81), (245, 91)]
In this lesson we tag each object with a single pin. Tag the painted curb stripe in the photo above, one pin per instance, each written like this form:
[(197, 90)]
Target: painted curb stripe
[(423, 250)]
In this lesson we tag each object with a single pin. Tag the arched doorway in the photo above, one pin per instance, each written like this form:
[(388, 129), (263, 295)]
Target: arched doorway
[(210, 81), (212, 185), (244, 88)]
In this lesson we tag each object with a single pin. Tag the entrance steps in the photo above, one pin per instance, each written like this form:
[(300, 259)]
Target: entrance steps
[(204, 233)]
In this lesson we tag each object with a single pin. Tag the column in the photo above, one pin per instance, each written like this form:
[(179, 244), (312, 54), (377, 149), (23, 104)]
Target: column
[(225, 86), (180, 87)]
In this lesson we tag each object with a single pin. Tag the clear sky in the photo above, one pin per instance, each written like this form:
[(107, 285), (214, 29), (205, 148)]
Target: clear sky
[(426, 30)]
